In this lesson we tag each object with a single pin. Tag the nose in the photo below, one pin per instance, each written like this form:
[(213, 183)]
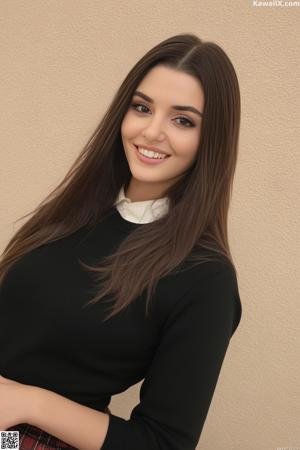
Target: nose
[(154, 130)]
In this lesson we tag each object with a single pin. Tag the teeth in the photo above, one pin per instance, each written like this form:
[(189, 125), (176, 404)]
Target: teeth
[(150, 153)]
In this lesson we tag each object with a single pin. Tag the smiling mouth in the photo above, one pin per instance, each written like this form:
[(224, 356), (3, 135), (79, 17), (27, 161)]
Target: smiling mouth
[(164, 155)]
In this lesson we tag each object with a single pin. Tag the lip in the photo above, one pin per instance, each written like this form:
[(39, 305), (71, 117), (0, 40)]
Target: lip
[(150, 161), (154, 149)]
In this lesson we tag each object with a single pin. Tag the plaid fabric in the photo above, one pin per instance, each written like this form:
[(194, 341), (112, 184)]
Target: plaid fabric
[(33, 438)]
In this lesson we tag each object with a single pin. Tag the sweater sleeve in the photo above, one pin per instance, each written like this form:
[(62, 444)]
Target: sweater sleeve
[(177, 391)]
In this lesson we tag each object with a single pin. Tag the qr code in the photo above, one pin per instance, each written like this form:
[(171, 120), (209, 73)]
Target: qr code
[(9, 439)]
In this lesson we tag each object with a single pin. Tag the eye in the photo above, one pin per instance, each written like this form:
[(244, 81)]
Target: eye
[(191, 125), (136, 105)]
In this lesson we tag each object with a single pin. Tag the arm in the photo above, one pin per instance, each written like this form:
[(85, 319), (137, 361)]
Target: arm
[(179, 385), (77, 425)]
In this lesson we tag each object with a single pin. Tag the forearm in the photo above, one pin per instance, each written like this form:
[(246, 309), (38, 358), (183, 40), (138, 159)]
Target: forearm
[(77, 425)]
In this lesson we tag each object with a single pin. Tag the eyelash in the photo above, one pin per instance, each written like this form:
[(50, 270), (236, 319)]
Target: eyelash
[(134, 105)]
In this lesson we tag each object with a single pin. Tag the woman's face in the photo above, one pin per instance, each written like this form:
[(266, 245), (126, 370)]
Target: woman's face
[(154, 122)]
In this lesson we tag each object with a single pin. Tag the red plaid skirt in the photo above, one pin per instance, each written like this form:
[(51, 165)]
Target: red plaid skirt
[(33, 438)]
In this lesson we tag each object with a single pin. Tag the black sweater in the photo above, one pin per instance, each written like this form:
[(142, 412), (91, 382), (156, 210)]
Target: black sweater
[(47, 339)]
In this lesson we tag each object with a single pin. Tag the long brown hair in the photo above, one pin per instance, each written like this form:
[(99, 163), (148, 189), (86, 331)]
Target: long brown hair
[(194, 228)]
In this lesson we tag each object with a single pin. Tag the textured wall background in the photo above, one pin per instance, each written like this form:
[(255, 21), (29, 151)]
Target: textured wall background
[(61, 62)]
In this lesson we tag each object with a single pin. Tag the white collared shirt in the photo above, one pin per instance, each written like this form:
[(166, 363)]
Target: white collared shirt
[(141, 211)]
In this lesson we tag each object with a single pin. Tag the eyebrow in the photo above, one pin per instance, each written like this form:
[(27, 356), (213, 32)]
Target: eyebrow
[(177, 107)]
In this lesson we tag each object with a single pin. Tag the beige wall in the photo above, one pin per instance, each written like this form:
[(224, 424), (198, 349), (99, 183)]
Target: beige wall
[(61, 62)]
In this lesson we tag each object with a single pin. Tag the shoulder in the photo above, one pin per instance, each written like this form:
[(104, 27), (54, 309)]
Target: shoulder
[(209, 291), (195, 275), (215, 286)]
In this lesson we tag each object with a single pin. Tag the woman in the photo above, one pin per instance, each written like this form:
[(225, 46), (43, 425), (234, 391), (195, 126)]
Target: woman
[(140, 221)]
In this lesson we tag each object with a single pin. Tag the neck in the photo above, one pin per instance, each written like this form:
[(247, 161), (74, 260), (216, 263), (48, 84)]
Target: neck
[(139, 192)]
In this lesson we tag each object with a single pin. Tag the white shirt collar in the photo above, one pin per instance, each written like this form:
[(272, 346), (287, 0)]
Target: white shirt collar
[(141, 211)]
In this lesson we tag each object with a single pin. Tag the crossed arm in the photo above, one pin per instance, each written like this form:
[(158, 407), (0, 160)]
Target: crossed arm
[(77, 425), (169, 416)]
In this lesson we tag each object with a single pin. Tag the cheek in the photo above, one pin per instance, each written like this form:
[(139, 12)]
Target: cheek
[(129, 126), (126, 126), (186, 147)]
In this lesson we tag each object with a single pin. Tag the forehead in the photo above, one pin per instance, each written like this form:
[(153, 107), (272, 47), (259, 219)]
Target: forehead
[(169, 86)]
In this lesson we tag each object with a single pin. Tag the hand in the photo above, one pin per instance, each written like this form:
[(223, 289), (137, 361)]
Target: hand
[(16, 402)]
